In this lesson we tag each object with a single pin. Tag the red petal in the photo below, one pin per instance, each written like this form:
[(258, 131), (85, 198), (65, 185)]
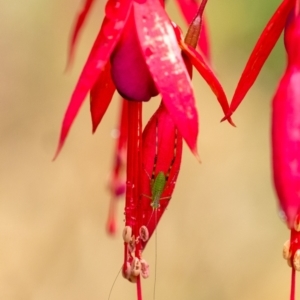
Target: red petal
[(110, 32), (163, 57), (101, 95), (77, 28), (208, 75), (159, 135), (189, 9), (260, 53)]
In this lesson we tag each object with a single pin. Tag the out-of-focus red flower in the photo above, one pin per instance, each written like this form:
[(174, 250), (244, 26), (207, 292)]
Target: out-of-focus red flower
[(286, 143), (285, 120), (286, 129)]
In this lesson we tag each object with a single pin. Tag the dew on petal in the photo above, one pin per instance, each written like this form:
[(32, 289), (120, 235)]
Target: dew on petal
[(119, 25)]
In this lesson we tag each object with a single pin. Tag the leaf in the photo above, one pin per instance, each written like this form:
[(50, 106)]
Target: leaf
[(162, 151), (260, 53), (79, 21), (163, 57), (203, 68), (110, 32), (101, 95)]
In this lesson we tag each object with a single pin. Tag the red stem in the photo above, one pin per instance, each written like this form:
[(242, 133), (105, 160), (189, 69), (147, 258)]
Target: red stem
[(133, 176), (293, 286)]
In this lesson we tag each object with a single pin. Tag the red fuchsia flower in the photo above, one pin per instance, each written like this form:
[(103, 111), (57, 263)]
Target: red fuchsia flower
[(160, 161), (285, 120), (260, 53), (121, 60), (139, 52)]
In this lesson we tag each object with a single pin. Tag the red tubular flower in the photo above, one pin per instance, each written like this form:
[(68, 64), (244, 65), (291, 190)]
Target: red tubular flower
[(139, 52)]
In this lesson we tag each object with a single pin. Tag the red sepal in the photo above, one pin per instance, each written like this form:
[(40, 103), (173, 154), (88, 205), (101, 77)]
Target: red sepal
[(79, 21), (163, 57), (101, 95), (110, 32), (203, 68)]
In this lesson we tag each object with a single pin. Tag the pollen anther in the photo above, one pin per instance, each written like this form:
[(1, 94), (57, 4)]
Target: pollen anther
[(135, 267), (296, 260), (127, 234), (144, 269), (144, 233)]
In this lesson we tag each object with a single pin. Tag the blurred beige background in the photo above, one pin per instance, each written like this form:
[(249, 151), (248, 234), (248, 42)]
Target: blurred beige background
[(221, 237)]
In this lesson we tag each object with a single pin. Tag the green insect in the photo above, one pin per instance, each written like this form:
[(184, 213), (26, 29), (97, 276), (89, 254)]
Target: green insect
[(159, 181), (157, 187)]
